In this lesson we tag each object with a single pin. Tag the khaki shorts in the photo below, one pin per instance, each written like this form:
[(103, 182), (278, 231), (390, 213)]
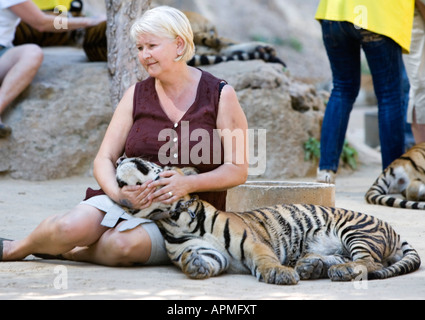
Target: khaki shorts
[(3, 49), (114, 213), (415, 67)]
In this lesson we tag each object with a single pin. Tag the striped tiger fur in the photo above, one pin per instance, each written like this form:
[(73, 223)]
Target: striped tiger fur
[(238, 52), (405, 176), (213, 49), (279, 244)]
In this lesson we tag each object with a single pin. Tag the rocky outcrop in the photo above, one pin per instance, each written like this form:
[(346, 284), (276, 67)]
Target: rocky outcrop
[(60, 120)]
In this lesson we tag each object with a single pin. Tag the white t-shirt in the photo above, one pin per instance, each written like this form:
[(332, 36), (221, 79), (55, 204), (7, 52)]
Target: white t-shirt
[(8, 22)]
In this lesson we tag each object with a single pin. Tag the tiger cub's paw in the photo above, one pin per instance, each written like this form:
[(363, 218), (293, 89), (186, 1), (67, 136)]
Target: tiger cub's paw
[(345, 271), (311, 268), (195, 266), (278, 275)]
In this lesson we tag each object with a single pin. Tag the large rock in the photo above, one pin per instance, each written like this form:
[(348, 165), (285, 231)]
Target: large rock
[(289, 111), (59, 121)]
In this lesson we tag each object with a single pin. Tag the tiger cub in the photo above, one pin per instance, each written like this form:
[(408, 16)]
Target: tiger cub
[(279, 245), (212, 49), (405, 176)]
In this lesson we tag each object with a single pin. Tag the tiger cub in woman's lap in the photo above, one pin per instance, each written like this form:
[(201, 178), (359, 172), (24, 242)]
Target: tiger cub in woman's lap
[(405, 176), (280, 244)]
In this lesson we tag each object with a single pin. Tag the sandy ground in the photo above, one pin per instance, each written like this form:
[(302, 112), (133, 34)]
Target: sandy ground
[(24, 204)]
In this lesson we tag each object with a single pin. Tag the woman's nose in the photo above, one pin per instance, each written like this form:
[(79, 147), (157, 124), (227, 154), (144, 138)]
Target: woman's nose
[(146, 54)]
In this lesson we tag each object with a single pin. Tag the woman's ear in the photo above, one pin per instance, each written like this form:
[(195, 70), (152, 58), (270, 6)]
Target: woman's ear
[(180, 45)]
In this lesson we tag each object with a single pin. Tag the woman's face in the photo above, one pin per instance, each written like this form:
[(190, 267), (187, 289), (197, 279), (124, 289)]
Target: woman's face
[(157, 54)]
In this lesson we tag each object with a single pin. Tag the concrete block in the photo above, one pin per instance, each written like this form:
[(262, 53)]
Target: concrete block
[(257, 194), (371, 129)]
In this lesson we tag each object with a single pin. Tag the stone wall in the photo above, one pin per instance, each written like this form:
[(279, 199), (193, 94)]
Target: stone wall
[(60, 120)]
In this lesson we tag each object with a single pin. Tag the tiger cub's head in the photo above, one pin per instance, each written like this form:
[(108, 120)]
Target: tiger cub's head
[(136, 171)]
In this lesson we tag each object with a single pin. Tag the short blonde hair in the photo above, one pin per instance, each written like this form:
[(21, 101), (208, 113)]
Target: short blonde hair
[(166, 22)]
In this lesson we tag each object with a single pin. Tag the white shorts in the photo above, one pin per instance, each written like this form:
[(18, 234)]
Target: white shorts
[(115, 212)]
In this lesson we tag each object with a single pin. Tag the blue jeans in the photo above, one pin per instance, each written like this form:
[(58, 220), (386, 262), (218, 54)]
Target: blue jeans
[(343, 42)]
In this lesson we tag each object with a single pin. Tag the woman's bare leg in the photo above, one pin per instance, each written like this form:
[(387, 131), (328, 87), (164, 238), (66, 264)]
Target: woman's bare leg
[(59, 234), (79, 236), (116, 248)]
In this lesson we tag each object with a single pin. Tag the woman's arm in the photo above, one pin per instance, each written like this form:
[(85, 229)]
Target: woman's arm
[(113, 144), (111, 149), (231, 120), (233, 126), (43, 22)]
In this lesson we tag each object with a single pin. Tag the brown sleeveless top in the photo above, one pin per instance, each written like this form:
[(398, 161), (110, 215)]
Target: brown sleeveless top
[(191, 142)]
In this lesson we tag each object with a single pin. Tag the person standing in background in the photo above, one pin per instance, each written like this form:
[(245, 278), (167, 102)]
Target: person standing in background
[(415, 67), (382, 28)]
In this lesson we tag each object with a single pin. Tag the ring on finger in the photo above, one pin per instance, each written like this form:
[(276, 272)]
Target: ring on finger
[(170, 194)]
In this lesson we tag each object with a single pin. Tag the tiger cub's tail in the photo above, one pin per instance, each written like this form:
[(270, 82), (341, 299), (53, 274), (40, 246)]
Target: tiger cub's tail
[(379, 194), (202, 60), (409, 263)]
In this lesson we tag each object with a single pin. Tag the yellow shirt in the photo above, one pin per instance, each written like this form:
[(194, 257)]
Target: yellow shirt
[(51, 4), (392, 18)]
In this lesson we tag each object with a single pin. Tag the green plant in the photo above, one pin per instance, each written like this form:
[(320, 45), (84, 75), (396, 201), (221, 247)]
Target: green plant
[(312, 153), (312, 150), (349, 156)]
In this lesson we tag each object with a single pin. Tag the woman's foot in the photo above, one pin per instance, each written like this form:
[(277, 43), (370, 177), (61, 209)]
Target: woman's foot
[(2, 245), (5, 131)]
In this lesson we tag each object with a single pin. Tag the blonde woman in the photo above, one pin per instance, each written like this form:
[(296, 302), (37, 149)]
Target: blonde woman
[(175, 95)]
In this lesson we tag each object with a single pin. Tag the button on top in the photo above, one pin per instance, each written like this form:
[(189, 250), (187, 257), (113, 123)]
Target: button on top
[(176, 125)]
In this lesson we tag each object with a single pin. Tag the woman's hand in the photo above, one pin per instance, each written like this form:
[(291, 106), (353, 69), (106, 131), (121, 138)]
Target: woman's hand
[(136, 197), (173, 185)]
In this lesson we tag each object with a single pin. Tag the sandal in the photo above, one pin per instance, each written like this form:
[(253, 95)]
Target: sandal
[(1, 247), (5, 131)]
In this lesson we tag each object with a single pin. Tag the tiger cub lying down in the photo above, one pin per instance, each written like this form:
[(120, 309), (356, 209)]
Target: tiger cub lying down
[(279, 245), (213, 49), (405, 176)]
